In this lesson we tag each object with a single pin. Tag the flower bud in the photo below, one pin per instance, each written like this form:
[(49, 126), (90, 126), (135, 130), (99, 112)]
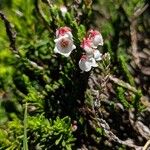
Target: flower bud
[(63, 10)]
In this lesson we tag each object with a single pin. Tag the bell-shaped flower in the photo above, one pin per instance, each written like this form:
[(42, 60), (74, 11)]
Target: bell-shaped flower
[(86, 45), (64, 46), (97, 55), (86, 63), (96, 38), (62, 31)]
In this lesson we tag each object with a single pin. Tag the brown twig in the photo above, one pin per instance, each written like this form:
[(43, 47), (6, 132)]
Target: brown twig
[(133, 33), (139, 11), (123, 84), (12, 39), (146, 145), (101, 123), (111, 136), (139, 127), (10, 33)]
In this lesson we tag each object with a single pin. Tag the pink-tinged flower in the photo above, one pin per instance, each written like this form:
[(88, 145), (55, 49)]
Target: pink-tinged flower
[(62, 31), (97, 55), (86, 63), (86, 45), (64, 46), (95, 37)]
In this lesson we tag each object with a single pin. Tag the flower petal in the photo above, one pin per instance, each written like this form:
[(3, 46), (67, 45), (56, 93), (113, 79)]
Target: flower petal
[(65, 54), (93, 62), (56, 50), (96, 38), (84, 65), (63, 31), (64, 46), (97, 55)]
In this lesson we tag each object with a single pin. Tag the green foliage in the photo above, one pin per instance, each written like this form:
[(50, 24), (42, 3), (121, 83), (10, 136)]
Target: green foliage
[(49, 85), (121, 97), (136, 101), (25, 140), (125, 69), (52, 134), (11, 137)]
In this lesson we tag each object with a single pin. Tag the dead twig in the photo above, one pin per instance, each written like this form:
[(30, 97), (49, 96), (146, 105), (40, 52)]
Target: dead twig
[(95, 122), (12, 39), (133, 33), (139, 127), (123, 84), (139, 11), (146, 145), (41, 15), (111, 136), (10, 33)]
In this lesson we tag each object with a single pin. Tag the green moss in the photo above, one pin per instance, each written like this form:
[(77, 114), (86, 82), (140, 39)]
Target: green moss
[(121, 97)]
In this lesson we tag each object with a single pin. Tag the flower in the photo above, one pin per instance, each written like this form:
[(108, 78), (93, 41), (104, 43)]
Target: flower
[(95, 37), (64, 41), (92, 54), (86, 63), (74, 126), (90, 51), (62, 31), (63, 10), (86, 45), (64, 45)]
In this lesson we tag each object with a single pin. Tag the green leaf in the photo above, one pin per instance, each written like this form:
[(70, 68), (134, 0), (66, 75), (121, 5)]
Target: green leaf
[(58, 140), (25, 140)]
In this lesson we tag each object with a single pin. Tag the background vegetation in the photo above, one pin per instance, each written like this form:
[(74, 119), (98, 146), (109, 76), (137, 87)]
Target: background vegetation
[(45, 100)]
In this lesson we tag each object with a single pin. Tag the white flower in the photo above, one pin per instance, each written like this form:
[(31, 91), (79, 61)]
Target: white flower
[(62, 31), (86, 63), (64, 46), (63, 10), (96, 38), (97, 55)]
